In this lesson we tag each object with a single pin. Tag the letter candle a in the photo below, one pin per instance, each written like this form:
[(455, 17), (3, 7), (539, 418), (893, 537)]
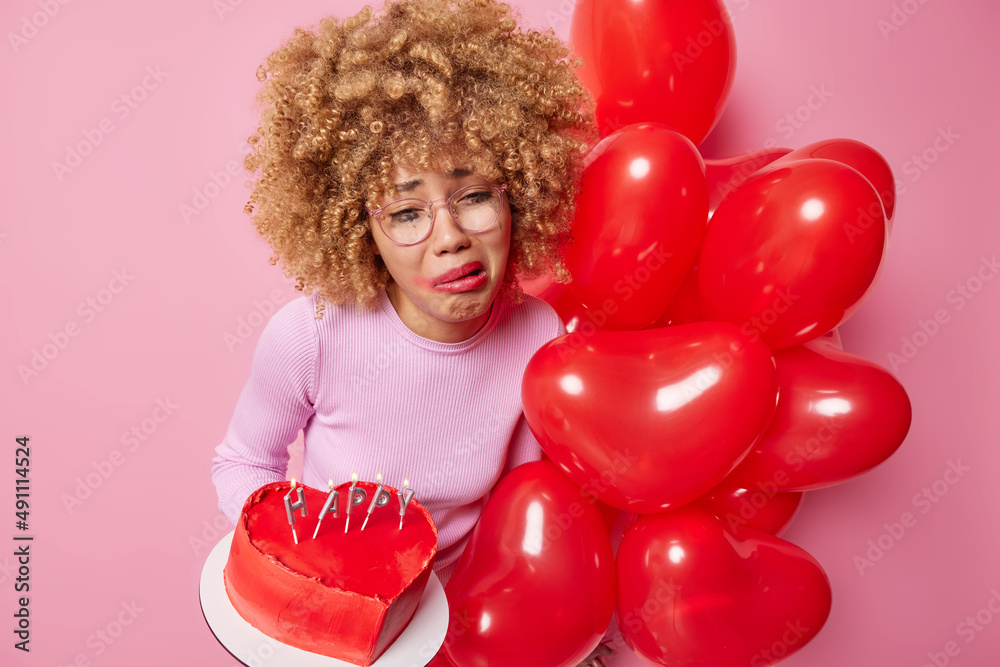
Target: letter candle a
[(331, 506)]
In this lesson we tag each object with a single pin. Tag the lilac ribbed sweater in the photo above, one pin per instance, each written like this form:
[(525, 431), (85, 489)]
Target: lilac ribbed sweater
[(372, 395)]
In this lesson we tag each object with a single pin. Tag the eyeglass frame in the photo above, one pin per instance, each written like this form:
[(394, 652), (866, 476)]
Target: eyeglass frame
[(377, 213)]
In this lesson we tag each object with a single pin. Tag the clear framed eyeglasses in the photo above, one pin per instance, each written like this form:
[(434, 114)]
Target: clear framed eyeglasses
[(476, 208)]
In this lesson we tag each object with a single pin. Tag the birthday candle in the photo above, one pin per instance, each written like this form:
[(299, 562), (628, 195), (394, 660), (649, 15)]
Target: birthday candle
[(331, 506), (290, 507), (405, 496), (356, 497), (381, 499)]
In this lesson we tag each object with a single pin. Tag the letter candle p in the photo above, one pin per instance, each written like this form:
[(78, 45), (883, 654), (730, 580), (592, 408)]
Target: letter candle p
[(381, 499)]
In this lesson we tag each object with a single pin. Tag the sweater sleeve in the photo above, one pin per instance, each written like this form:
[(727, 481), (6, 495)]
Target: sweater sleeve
[(524, 446), (275, 404)]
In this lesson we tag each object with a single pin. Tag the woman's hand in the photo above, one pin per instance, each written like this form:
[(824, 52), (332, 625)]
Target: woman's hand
[(596, 659)]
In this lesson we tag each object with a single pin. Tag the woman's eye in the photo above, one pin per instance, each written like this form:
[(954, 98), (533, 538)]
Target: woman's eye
[(406, 215), (476, 197)]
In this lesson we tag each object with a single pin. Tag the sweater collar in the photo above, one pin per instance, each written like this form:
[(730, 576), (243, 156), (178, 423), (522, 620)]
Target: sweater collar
[(389, 312)]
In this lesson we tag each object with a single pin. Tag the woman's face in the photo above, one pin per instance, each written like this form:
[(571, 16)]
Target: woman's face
[(427, 305)]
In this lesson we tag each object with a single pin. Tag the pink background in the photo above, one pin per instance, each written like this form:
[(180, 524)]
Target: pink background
[(158, 330)]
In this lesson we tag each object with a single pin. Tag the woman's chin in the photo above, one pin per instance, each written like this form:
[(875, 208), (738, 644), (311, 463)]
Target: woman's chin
[(465, 307)]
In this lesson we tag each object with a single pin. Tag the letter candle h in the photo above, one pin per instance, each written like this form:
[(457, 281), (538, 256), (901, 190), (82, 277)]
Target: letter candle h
[(290, 507)]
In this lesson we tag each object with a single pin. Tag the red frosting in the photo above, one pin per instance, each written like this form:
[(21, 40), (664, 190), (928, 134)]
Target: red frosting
[(348, 596)]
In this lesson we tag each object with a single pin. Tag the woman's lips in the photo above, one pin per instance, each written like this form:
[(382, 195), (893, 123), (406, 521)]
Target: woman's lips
[(465, 281), (458, 272), (475, 281)]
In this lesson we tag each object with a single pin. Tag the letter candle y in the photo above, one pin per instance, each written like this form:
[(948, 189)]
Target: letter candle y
[(290, 507), (405, 496)]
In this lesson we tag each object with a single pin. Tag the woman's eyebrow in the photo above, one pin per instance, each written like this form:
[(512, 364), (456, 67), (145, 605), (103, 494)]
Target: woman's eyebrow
[(409, 186)]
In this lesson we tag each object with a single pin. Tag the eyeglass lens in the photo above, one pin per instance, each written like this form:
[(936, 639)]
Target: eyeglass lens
[(475, 208)]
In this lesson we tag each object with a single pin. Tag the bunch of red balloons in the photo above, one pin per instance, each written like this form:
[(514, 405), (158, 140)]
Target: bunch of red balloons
[(701, 386)]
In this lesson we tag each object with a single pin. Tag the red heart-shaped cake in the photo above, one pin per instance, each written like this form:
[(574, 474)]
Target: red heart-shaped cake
[(345, 595)]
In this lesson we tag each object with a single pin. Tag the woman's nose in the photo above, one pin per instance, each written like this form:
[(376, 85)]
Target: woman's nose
[(447, 234)]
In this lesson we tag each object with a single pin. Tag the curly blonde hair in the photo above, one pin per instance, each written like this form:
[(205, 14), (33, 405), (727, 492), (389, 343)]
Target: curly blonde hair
[(432, 84)]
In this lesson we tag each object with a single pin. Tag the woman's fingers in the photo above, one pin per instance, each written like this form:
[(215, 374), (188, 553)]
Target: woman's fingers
[(604, 650), (596, 657)]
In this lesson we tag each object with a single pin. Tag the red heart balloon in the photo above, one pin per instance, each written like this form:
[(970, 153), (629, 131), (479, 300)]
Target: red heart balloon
[(870, 164), (779, 259), (649, 420), (538, 286), (721, 176), (639, 223), (608, 513), (670, 61), (544, 286), (691, 593), (575, 315), (838, 416), (760, 506), (724, 175), (535, 586), (831, 337), (868, 161), (440, 660), (686, 307)]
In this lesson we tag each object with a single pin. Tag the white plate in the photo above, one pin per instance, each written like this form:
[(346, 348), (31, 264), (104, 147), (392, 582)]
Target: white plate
[(415, 647)]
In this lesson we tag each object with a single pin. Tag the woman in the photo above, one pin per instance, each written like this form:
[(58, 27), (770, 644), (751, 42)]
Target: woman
[(407, 171)]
